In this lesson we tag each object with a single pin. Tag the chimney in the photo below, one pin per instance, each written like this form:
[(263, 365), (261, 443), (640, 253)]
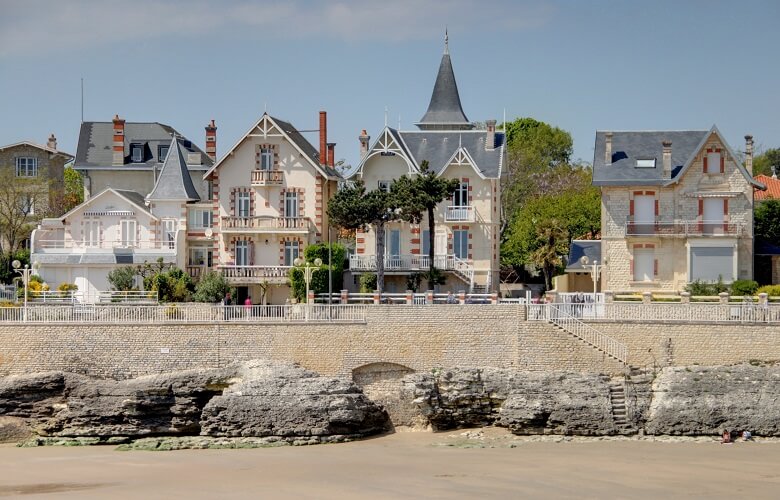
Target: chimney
[(323, 137), (608, 148), (211, 140), (332, 154), (52, 142), (119, 141), (490, 138), (363, 138), (667, 173), (774, 172), (749, 154)]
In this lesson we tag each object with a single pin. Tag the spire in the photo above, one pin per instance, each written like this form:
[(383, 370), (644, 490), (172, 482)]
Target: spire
[(445, 111), (174, 181)]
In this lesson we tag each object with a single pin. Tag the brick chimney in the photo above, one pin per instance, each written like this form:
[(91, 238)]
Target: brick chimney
[(749, 154), (331, 154), (363, 138), (490, 138), (119, 141), (323, 137), (667, 172), (608, 148), (52, 142), (211, 140)]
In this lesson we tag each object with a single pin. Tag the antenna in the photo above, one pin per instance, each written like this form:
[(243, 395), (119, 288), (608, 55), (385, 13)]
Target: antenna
[(82, 99), (446, 41)]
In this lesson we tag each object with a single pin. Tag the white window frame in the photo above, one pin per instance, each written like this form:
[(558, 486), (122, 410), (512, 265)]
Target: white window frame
[(243, 204), (241, 251), (91, 233), (162, 154), (127, 233), (383, 186), (169, 233), (27, 205), (720, 243), (644, 257), (460, 243), (200, 256), (424, 242), (460, 198), (291, 201), (140, 149), (392, 237), (27, 166), (292, 251), (200, 218), (645, 163), (266, 159)]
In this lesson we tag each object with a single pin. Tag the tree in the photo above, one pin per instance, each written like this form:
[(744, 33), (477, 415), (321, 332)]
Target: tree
[(21, 207), (763, 163), (352, 207), (550, 244), (766, 221), (421, 195), (319, 278), (212, 287), (122, 278), (73, 194)]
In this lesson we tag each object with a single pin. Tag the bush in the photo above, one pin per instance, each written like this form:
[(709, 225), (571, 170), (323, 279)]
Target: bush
[(434, 277), (413, 281), (67, 287), (367, 282), (172, 286), (744, 287), (771, 290), (122, 278), (212, 287), (319, 278), (705, 288)]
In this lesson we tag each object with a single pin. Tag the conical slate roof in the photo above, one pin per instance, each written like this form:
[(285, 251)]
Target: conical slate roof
[(174, 182), (445, 110)]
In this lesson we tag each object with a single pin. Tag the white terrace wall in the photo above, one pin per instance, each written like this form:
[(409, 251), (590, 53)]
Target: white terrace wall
[(420, 338)]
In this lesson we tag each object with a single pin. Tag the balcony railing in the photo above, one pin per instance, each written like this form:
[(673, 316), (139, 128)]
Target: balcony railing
[(459, 214), (196, 271), (70, 245), (255, 274), (267, 177), (684, 228), (266, 224), (404, 262)]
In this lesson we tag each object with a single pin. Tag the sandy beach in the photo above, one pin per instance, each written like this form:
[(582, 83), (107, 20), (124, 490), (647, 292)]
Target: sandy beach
[(402, 465)]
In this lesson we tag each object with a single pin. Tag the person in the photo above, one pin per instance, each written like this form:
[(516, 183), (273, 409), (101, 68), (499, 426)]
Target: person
[(248, 307), (226, 302), (451, 298), (726, 438), (747, 436)]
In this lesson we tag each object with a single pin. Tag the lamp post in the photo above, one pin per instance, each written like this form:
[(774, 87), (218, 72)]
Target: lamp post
[(595, 272), (25, 273), (308, 270)]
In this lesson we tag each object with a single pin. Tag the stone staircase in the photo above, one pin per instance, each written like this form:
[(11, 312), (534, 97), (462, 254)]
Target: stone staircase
[(617, 397), (587, 333)]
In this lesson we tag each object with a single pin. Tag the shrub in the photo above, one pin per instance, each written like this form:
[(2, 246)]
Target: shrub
[(703, 288), (319, 278), (367, 282), (413, 281), (212, 287), (171, 286), (744, 287), (122, 278), (434, 277), (67, 287), (771, 290)]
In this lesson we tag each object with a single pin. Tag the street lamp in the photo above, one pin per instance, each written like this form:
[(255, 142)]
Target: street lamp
[(25, 273), (595, 272), (308, 270)]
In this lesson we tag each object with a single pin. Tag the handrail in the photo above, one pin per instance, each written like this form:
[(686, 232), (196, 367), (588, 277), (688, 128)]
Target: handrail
[(587, 333)]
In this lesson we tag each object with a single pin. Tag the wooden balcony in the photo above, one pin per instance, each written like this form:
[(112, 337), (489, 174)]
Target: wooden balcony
[(267, 177)]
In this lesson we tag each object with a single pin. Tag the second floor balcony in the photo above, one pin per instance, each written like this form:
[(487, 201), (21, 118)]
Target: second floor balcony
[(246, 275), (64, 245), (266, 224), (680, 228), (267, 177), (454, 213)]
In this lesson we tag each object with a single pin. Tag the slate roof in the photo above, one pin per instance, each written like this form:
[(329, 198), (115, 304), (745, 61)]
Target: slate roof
[(578, 248), (438, 147), (305, 146), (772, 188), (445, 107), (174, 181), (628, 147), (94, 149)]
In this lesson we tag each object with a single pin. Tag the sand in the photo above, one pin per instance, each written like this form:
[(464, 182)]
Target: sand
[(403, 465)]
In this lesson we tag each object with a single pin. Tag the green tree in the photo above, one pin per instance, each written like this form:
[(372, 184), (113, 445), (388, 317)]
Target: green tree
[(212, 287), (74, 189), (419, 196), (22, 203), (122, 278), (319, 279), (352, 207), (766, 221), (550, 243), (763, 163)]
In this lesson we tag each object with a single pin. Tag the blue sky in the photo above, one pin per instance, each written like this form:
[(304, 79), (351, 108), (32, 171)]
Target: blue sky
[(580, 65)]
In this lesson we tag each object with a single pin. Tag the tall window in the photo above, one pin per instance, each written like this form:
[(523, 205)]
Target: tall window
[(92, 233), (713, 163), (460, 198), (393, 242), (242, 253), (290, 204), (266, 159), (644, 264), (242, 204), (291, 251), (460, 244), (169, 233), (425, 242), (200, 219), (27, 167), (136, 153), (200, 256), (127, 230)]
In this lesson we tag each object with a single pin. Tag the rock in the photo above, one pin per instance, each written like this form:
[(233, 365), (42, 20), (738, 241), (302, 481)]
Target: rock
[(705, 400), (280, 399), (32, 396), (14, 430)]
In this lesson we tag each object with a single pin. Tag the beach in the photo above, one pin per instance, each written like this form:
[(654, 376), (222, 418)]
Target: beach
[(458, 464)]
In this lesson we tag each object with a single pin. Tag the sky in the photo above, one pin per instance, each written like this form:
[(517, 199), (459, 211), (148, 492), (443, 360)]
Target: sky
[(579, 65)]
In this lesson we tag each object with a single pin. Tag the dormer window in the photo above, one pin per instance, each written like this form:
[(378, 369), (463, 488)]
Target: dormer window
[(136, 153), (163, 152), (645, 163)]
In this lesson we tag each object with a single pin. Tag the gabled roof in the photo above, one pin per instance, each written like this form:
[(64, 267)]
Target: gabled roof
[(630, 146), (445, 108), (294, 137), (131, 197), (772, 188), (580, 248), (39, 146), (174, 181), (95, 146)]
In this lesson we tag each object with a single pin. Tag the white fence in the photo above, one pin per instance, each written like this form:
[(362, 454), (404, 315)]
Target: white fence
[(691, 313), (182, 313), (105, 297)]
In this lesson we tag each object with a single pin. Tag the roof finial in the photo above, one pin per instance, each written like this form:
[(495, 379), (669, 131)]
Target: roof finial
[(385, 116), (446, 41)]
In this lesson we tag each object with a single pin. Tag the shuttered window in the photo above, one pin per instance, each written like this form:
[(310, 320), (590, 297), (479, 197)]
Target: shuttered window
[(710, 263)]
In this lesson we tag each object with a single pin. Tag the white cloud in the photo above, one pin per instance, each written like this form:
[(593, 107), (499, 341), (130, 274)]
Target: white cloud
[(39, 27)]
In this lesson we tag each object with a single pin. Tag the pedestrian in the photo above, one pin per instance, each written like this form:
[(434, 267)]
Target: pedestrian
[(451, 298), (226, 305), (248, 306)]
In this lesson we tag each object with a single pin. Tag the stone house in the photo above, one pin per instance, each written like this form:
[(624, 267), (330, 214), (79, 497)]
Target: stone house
[(32, 173), (466, 241), (271, 192), (677, 206)]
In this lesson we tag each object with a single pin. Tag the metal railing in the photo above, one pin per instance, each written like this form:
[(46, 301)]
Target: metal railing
[(698, 312), (106, 297), (267, 177), (684, 228), (8, 292), (264, 223), (183, 313), (588, 334), (410, 263), (254, 272), (454, 213), (87, 245)]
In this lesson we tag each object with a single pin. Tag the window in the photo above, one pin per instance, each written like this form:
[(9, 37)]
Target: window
[(27, 167), (461, 244), (266, 159), (712, 263), (644, 210), (27, 204), (242, 203), (210, 190), (460, 198), (713, 215), (242, 253), (200, 219), (92, 233), (200, 256), (127, 230), (646, 163), (393, 243), (169, 233), (644, 264), (712, 165), (290, 204), (425, 242), (384, 186), (136, 153), (291, 251), (162, 153)]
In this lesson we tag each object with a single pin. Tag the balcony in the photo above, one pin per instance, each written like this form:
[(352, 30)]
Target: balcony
[(196, 271), (267, 177), (65, 246), (247, 275), (685, 228), (266, 224), (459, 214), (414, 263)]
